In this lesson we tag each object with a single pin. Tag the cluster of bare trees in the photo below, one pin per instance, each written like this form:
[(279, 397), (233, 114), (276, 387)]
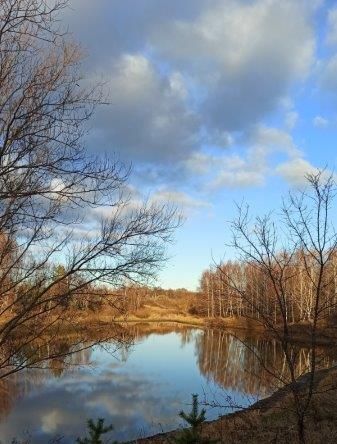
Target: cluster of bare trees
[(131, 298), (285, 272), (58, 203), (238, 288)]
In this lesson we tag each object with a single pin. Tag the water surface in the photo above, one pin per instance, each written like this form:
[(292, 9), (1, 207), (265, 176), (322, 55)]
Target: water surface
[(139, 389)]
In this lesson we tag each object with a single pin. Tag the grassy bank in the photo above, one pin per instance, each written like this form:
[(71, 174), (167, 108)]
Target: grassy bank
[(299, 333), (107, 323), (94, 321)]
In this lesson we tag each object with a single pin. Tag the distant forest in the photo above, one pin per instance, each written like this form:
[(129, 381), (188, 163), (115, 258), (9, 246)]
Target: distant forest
[(247, 289)]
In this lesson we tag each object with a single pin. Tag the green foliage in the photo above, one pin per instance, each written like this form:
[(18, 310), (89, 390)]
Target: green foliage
[(96, 430), (194, 419)]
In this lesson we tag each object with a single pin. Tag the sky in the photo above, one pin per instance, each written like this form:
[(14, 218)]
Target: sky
[(212, 102)]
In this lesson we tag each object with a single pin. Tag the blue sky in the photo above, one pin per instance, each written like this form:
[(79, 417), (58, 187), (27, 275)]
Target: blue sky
[(212, 101)]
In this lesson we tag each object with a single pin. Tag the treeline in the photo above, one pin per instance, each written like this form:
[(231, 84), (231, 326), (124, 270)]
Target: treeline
[(53, 290), (132, 299), (250, 289)]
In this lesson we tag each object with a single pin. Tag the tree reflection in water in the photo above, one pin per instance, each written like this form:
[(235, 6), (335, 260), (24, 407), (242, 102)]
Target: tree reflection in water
[(253, 365), (242, 364)]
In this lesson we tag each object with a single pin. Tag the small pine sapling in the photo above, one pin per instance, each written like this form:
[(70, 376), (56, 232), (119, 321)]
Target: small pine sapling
[(96, 430), (194, 419)]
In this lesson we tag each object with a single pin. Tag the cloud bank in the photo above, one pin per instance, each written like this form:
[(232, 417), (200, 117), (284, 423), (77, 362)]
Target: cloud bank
[(191, 86)]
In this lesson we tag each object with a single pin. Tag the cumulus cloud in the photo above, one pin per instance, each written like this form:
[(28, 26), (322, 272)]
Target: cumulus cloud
[(291, 120), (327, 66), (178, 198), (328, 80), (215, 65), (320, 122), (294, 171), (243, 55), (234, 178), (190, 83), (226, 170), (268, 139), (332, 26), (147, 118), (122, 26), (198, 163), (254, 166), (235, 171)]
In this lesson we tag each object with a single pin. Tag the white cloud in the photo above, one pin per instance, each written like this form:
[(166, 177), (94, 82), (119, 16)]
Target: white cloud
[(199, 75), (328, 80), (198, 163), (244, 55), (147, 118), (268, 139), (320, 122), (295, 170), (240, 171), (178, 198), (215, 65), (332, 26), (220, 138), (257, 163), (178, 85), (291, 120), (234, 179), (56, 184), (51, 420), (222, 171)]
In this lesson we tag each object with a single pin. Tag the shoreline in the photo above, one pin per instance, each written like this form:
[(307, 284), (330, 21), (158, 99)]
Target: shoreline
[(299, 333), (267, 418), (263, 417)]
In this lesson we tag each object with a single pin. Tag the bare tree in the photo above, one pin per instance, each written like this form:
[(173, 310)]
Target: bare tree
[(294, 261), (58, 203)]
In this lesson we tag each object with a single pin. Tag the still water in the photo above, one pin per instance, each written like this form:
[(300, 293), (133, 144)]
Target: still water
[(138, 388)]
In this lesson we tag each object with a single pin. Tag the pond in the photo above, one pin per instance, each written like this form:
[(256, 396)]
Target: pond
[(139, 388)]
